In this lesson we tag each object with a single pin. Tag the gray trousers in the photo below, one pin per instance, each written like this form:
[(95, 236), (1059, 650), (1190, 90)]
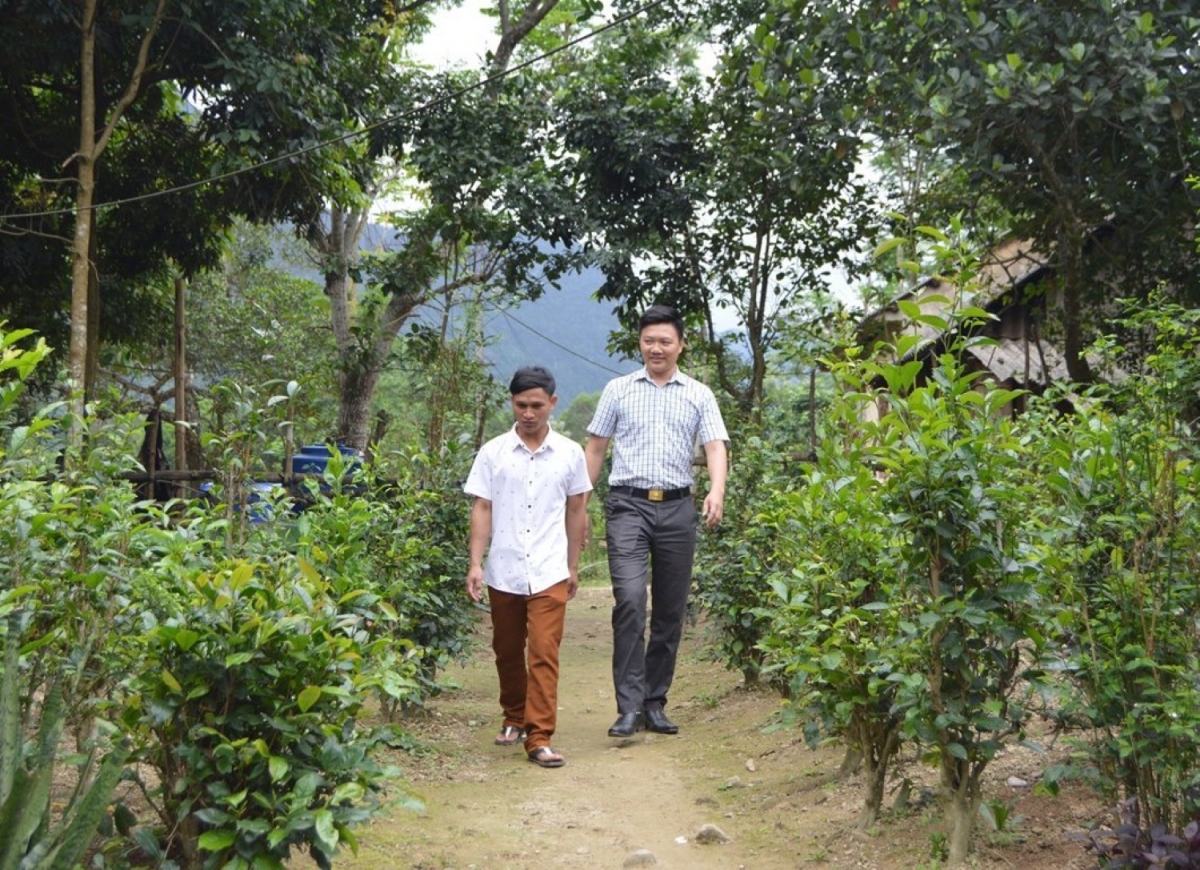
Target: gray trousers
[(655, 541)]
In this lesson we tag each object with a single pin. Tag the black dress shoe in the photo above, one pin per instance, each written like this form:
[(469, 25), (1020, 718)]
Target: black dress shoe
[(627, 725), (657, 721)]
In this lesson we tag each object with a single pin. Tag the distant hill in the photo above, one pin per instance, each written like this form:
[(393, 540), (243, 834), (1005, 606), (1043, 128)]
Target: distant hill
[(566, 331)]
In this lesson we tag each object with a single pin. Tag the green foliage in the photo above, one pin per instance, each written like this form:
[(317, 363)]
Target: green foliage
[(722, 196), (838, 580), (238, 655), (270, 83), (573, 420), (421, 561), (251, 683), (57, 561), (443, 391), (733, 558), (16, 366), (957, 502), (998, 816), (1078, 119), (1124, 476), (36, 832), (252, 320)]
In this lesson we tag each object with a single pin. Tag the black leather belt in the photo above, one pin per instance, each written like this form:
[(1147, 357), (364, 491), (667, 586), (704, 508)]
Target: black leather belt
[(652, 494)]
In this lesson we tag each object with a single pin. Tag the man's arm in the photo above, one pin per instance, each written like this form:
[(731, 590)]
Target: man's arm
[(594, 453), (718, 469), (577, 519), (481, 533)]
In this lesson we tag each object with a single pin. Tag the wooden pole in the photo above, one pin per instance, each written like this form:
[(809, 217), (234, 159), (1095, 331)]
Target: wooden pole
[(181, 462)]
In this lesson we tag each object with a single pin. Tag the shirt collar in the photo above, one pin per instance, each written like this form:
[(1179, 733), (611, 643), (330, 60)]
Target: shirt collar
[(515, 442), (644, 375)]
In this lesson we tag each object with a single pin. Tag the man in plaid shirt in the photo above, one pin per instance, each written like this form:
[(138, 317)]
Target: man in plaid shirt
[(655, 417)]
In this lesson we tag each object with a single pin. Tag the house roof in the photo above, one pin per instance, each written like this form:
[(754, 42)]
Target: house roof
[(1007, 267), (1005, 359), (1005, 270)]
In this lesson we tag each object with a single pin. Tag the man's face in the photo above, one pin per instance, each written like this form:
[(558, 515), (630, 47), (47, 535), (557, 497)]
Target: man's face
[(661, 346), (531, 410)]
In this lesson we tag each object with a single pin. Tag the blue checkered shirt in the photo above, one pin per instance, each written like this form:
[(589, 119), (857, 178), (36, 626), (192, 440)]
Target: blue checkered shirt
[(656, 430)]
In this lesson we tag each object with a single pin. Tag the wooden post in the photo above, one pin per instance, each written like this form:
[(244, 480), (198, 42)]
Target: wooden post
[(181, 462)]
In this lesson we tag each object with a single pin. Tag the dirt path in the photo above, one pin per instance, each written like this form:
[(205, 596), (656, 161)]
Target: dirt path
[(779, 803)]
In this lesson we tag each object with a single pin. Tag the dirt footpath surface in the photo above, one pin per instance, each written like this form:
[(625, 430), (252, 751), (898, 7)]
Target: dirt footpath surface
[(645, 801)]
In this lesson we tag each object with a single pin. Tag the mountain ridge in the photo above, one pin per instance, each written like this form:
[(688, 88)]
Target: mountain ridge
[(566, 330)]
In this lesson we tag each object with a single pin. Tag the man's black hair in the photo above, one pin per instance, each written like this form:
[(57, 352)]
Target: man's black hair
[(531, 378), (661, 314)]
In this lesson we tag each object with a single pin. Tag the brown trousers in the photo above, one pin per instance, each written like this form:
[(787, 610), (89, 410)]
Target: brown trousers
[(526, 633)]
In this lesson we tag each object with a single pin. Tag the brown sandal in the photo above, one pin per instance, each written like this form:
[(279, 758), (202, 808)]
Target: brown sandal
[(509, 735), (544, 756)]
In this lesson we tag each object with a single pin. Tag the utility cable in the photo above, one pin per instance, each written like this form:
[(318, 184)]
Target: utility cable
[(561, 346)]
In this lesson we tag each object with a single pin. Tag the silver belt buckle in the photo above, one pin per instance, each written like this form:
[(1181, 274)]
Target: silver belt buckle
[(654, 494)]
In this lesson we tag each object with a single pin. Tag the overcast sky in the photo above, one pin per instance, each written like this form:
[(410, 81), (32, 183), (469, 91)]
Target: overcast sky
[(460, 36)]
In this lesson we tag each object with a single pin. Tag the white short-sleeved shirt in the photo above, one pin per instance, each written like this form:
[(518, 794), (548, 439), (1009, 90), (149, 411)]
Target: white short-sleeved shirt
[(528, 491), (656, 428)]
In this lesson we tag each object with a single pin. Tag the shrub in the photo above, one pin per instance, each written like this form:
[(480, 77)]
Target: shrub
[(836, 619), (248, 700), (1125, 487), (734, 560), (61, 546)]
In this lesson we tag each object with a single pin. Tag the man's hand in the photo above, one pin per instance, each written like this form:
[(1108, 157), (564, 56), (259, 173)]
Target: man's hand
[(717, 457), (714, 510), (572, 584), (475, 582)]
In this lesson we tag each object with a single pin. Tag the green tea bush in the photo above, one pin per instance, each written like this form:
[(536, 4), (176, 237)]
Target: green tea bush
[(421, 558), (1125, 478), (910, 601), (49, 634), (237, 658), (839, 600), (734, 559), (248, 700), (958, 499)]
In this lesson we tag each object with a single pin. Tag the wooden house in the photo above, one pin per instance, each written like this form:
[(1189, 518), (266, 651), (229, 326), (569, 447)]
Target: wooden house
[(1013, 285)]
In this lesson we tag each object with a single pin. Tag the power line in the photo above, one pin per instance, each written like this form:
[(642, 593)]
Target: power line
[(561, 346), (233, 173)]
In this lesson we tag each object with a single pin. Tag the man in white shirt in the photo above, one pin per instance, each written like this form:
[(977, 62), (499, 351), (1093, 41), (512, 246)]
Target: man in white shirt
[(530, 516), (654, 417)]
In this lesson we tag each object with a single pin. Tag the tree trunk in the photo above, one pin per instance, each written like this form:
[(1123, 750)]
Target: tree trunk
[(358, 384), (92, 142), (91, 372), (878, 740), (81, 244), (358, 370), (962, 792), (181, 411), (1071, 251)]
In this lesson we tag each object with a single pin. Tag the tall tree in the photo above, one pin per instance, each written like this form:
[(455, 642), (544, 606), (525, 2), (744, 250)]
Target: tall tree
[(713, 193), (481, 208), (1077, 116), (275, 78)]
